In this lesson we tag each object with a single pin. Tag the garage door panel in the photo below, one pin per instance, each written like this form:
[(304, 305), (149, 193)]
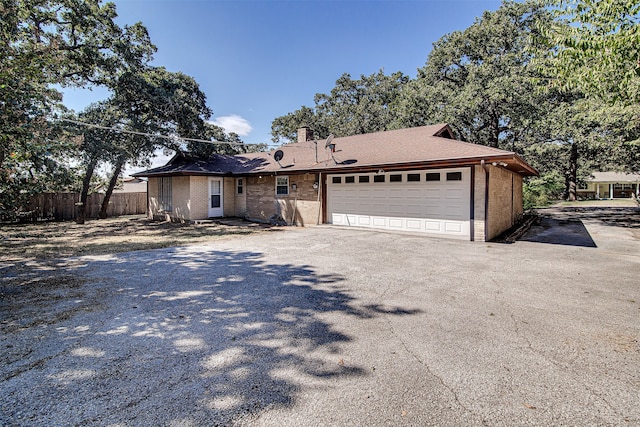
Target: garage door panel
[(396, 223), (364, 220), (433, 226), (379, 222), (415, 211), (414, 224), (439, 207), (453, 227), (455, 193), (413, 193), (432, 193)]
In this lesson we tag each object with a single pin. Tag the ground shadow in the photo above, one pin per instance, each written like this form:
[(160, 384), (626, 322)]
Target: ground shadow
[(186, 336), (565, 225), (571, 232)]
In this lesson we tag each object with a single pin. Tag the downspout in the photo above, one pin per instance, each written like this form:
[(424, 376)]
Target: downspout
[(472, 198), (148, 208), (319, 191), (513, 221), (486, 199)]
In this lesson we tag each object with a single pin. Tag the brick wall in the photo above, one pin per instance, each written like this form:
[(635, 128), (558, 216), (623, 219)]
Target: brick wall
[(152, 192), (240, 200), (505, 201), (199, 197), (478, 203), (228, 196), (181, 198), (504, 206), (300, 207)]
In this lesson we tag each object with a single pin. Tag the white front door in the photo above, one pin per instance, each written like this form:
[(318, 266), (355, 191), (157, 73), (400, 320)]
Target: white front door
[(215, 197)]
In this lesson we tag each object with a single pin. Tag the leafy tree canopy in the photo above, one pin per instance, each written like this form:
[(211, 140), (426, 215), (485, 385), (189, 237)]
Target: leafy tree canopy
[(352, 107), (46, 44), (479, 80), (594, 46)]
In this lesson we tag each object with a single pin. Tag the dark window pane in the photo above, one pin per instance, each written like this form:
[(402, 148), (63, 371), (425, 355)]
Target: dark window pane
[(413, 177), (395, 178), (378, 178), (336, 180), (363, 178), (434, 176), (454, 176), (215, 201), (349, 179)]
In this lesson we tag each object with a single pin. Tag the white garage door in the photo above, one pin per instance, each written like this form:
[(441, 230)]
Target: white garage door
[(429, 201)]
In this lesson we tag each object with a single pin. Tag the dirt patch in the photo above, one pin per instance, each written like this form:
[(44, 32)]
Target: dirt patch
[(27, 302), (21, 242)]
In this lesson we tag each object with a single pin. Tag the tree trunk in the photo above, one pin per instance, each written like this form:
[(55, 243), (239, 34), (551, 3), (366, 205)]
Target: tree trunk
[(112, 183), (573, 172), (495, 130), (86, 182)]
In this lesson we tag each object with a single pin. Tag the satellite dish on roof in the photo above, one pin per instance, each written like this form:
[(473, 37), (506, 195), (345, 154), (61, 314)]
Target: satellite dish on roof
[(329, 139), (278, 155)]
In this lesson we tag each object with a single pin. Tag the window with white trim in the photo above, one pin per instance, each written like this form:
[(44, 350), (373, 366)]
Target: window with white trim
[(164, 194), (282, 185)]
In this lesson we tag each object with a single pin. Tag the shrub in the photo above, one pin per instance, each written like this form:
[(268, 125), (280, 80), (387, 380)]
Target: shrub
[(541, 191)]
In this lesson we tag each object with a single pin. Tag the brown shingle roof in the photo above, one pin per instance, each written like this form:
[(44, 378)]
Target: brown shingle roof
[(402, 148)]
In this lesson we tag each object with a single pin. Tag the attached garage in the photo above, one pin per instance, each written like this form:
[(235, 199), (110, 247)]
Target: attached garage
[(417, 179), (434, 201)]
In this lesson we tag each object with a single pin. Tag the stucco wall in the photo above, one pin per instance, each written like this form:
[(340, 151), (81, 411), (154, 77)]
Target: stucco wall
[(300, 207)]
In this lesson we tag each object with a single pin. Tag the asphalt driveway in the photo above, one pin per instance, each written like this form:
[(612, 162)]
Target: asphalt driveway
[(330, 326)]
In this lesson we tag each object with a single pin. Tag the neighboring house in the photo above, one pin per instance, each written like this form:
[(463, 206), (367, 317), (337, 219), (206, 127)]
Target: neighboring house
[(610, 185), (419, 179), (132, 185)]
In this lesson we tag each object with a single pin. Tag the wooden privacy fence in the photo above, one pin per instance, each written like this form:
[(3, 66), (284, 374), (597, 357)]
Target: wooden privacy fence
[(62, 206)]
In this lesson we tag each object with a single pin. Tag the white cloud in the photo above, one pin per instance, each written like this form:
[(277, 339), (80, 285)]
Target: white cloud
[(234, 123), (158, 159)]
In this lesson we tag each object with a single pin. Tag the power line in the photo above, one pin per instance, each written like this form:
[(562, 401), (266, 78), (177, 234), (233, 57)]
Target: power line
[(170, 137)]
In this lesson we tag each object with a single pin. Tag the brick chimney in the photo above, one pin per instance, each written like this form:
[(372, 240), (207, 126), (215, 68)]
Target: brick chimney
[(305, 134)]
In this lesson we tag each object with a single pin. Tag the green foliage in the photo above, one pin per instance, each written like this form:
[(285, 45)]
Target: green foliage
[(352, 107), (594, 47), (542, 191), (479, 81), (46, 44)]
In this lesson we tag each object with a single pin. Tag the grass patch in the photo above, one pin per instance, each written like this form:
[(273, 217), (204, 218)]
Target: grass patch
[(48, 240), (613, 203)]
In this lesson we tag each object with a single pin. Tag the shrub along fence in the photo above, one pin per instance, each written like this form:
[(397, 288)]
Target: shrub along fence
[(63, 206)]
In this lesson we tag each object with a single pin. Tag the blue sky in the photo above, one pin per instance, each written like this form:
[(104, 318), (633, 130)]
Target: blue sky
[(257, 60)]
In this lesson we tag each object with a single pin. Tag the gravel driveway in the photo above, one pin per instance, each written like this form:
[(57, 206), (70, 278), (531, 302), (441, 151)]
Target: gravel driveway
[(330, 326)]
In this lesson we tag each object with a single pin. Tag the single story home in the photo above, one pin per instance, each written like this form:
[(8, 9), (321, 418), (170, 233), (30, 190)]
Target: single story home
[(610, 185), (419, 179), (132, 185)]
